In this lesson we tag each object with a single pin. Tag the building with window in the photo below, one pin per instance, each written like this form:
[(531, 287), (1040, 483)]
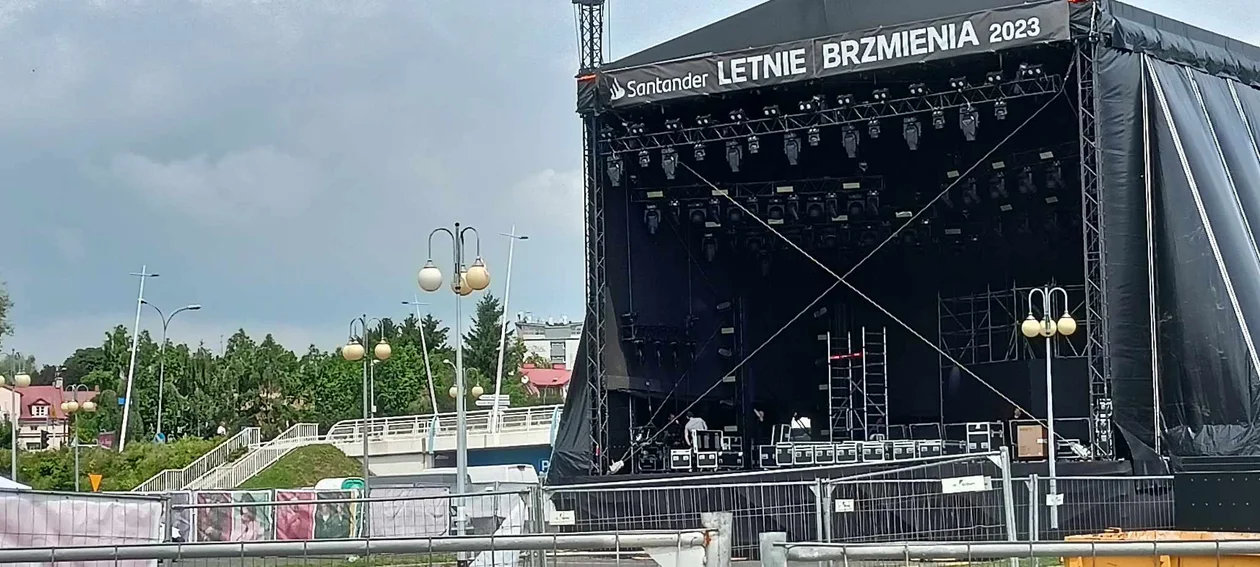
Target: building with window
[(41, 423), (552, 340)]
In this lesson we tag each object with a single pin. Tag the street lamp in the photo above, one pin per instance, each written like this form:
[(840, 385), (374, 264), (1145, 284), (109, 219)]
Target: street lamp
[(507, 294), (166, 323), (1047, 327), (72, 407), (465, 281), (354, 351), (144, 275), (20, 380), (415, 302)]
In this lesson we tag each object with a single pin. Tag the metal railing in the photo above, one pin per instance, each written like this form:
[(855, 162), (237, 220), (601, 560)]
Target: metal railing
[(178, 479), (1215, 552), (1128, 502), (536, 418), (232, 474)]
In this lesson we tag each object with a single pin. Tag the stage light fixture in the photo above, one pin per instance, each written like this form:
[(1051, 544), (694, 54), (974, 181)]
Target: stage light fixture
[(856, 206), (970, 193), (880, 94), (872, 204), (969, 121), (615, 167), (637, 129), (737, 115), (851, 139), (753, 206), (1029, 71), (997, 187), (652, 218), (844, 100), (754, 245), (673, 124), (828, 240), (734, 155), (715, 211), (772, 110), (697, 214), (813, 103), (765, 262), (645, 159), (813, 136), (793, 208), (918, 89), (1027, 182), (754, 144), (725, 352), (958, 83), (792, 148), (873, 128), (710, 247), (814, 210), (704, 120), (999, 110), (700, 152), (938, 119), (1054, 176), (775, 212), (993, 77), (832, 205), (669, 162), (606, 132), (912, 130), (675, 209), (734, 215)]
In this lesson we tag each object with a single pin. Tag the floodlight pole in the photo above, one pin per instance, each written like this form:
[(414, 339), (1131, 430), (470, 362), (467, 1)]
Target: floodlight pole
[(131, 367), (428, 370), (496, 414)]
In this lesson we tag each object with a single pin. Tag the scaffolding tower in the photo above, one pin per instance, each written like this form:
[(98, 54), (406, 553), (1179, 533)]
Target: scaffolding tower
[(857, 385)]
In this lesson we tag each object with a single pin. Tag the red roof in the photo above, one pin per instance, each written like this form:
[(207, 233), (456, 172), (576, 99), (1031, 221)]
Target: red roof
[(50, 396), (555, 376)]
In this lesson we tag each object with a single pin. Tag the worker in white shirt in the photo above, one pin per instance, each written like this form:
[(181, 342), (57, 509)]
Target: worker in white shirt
[(694, 424)]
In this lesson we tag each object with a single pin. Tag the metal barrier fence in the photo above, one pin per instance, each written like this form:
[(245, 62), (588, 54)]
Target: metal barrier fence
[(30, 518), (1091, 504), (1079, 554)]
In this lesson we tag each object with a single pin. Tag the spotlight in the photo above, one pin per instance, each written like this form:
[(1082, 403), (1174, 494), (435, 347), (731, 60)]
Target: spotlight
[(699, 149), (606, 132), (637, 129), (999, 110), (993, 78), (734, 155), (872, 204), (814, 209), (814, 103), (997, 186), (844, 100), (969, 121), (737, 115), (828, 240), (675, 209), (737, 215), (938, 119), (1054, 176), (1027, 183), (697, 214), (793, 208), (813, 137), (1029, 71), (645, 159), (832, 205), (958, 83), (792, 148), (715, 212), (918, 89), (725, 352), (912, 130), (772, 110), (851, 140), (615, 167), (669, 162), (652, 218), (710, 247), (872, 128), (754, 144), (775, 212), (704, 120), (880, 94), (673, 124), (857, 206)]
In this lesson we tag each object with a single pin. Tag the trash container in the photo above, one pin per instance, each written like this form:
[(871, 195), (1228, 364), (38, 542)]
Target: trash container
[(1164, 560)]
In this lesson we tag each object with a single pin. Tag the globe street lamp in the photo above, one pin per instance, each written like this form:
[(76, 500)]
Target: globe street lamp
[(1047, 327), (72, 408), (464, 281), (166, 323), (20, 380), (354, 351)]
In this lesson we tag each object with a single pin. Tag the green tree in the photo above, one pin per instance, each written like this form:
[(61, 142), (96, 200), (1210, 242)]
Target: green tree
[(481, 342), (6, 305)]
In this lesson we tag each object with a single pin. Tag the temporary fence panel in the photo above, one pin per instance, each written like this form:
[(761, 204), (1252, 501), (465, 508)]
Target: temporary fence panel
[(882, 510), (1091, 504), (44, 519)]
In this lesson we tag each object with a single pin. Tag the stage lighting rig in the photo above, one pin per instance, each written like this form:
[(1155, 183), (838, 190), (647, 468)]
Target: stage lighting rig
[(918, 89), (828, 239), (994, 78), (734, 215), (844, 100), (645, 159), (606, 132), (715, 212), (1027, 181), (911, 129), (734, 155), (615, 168), (709, 244), (851, 139), (868, 238), (938, 119), (704, 120), (999, 110), (699, 152), (813, 103), (793, 208), (958, 83), (652, 218), (970, 193), (880, 95), (969, 122), (813, 136), (772, 110), (669, 162), (856, 207), (673, 124), (814, 209), (775, 212), (636, 129), (697, 214), (832, 205), (997, 186), (737, 115), (754, 145), (792, 148), (873, 128), (1054, 175), (675, 210), (1029, 71)]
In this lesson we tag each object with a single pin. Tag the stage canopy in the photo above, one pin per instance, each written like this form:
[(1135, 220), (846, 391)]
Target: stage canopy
[(1178, 118)]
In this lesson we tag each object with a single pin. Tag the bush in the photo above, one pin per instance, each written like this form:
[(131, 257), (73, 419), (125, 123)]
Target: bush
[(54, 470)]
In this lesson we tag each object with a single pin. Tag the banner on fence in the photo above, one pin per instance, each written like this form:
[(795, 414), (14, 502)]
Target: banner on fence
[(235, 523), (31, 519)]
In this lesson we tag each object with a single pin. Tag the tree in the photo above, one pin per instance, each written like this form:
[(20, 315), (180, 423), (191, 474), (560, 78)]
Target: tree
[(6, 305), (481, 343)]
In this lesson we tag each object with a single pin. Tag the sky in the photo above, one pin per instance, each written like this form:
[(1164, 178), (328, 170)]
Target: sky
[(282, 162)]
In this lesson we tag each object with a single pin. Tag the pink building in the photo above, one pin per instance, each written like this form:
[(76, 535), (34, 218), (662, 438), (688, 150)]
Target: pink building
[(41, 417)]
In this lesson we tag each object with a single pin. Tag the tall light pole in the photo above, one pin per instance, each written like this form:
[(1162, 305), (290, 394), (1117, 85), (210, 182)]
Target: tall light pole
[(131, 367), (354, 352), (72, 407), (463, 283), (424, 347), (20, 380), (1047, 327), (507, 294), (166, 323)]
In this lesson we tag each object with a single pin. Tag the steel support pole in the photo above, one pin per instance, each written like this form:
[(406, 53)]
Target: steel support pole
[(131, 367)]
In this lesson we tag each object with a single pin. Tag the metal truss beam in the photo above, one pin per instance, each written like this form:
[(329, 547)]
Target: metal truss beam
[(860, 113)]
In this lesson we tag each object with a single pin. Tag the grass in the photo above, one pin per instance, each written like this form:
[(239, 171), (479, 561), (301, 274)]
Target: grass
[(303, 467)]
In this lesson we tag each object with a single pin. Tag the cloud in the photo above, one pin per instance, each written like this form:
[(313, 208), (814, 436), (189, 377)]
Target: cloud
[(68, 242), (555, 196)]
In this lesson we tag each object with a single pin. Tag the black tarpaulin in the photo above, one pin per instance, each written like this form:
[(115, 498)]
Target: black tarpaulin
[(1137, 30)]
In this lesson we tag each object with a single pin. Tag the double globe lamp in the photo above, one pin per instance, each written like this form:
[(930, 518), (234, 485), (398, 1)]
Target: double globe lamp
[(19, 380), (354, 351), (1047, 327), (72, 406), (475, 278)]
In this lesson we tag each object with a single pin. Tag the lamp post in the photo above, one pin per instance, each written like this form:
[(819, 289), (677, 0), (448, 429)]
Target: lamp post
[(144, 275), (20, 380), (72, 407), (424, 347), (507, 294), (354, 352), (464, 282), (1047, 328), (166, 323)]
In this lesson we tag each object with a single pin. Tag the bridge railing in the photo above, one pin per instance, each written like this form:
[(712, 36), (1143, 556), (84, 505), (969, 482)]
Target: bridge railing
[(423, 426), (233, 474), (177, 479)]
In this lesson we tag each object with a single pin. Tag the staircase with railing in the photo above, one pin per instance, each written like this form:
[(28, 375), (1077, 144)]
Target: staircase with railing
[(232, 474), (177, 479)]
